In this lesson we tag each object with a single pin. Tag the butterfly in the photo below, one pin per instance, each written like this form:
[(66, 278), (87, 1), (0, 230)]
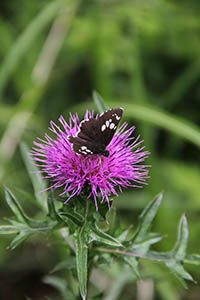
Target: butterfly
[(95, 134)]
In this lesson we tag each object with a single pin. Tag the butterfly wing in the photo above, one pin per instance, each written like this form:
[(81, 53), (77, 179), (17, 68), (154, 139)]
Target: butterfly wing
[(81, 146), (88, 130), (108, 122), (94, 135), (87, 140)]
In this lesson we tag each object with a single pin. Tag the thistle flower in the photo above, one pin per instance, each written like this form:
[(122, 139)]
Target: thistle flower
[(105, 176)]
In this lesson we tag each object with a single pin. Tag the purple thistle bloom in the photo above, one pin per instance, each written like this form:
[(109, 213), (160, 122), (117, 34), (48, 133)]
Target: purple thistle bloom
[(104, 175)]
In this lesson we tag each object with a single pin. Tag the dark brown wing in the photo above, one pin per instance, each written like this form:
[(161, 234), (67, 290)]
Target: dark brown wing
[(108, 122), (94, 135), (81, 146), (88, 130), (87, 140)]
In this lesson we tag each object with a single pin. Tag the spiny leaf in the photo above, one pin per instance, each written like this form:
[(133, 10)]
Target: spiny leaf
[(76, 218), (52, 213), (15, 206), (193, 259), (82, 260), (51, 208), (182, 239), (143, 246), (19, 239), (37, 182), (18, 211), (146, 218), (10, 229), (99, 102), (123, 235), (133, 264), (179, 272), (96, 234)]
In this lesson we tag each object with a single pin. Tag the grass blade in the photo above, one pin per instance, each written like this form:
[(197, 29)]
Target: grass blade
[(160, 118), (25, 40)]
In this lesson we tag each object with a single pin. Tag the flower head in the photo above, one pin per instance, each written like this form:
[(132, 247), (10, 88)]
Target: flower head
[(104, 176)]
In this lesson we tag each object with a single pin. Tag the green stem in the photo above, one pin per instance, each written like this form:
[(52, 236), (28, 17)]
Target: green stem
[(158, 258)]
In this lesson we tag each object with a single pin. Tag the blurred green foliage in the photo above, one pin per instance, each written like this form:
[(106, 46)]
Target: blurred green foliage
[(141, 55)]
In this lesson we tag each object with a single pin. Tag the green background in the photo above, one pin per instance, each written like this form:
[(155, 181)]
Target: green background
[(141, 55)]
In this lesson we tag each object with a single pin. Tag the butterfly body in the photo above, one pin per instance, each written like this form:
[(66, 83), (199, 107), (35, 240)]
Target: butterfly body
[(95, 134)]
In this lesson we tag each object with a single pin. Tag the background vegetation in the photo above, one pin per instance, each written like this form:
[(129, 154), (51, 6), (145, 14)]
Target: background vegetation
[(141, 55)]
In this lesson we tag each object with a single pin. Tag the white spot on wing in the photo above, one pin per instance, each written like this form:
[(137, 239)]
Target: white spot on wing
[(107, 123), (103, 127), (83, 152), (89, 151), (83, 147), (112, 126)]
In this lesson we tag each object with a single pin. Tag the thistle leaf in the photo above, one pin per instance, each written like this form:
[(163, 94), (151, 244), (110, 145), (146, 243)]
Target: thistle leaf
[(179, 272), (19, 239), (133, 264), (15, 206), (9, 229), (82, 260), (143, 246), (147, 217), (18, 211), (96, 234), (182, 239), (74, 217), (193, 259), (123, 235), (142, 239)]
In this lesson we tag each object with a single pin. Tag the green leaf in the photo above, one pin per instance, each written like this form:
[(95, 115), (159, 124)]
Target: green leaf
[(133, 264), (193, 259), (20, 238), (96, 234), (68, 264), (18, 211), (99, 102), (151, 238), (15, 206), (124, 234), (52, 213), (82, 260), (146, 218), (9, 229), (73, 216), (179, 272), (37, 182), (182, 239), (51, 208)]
